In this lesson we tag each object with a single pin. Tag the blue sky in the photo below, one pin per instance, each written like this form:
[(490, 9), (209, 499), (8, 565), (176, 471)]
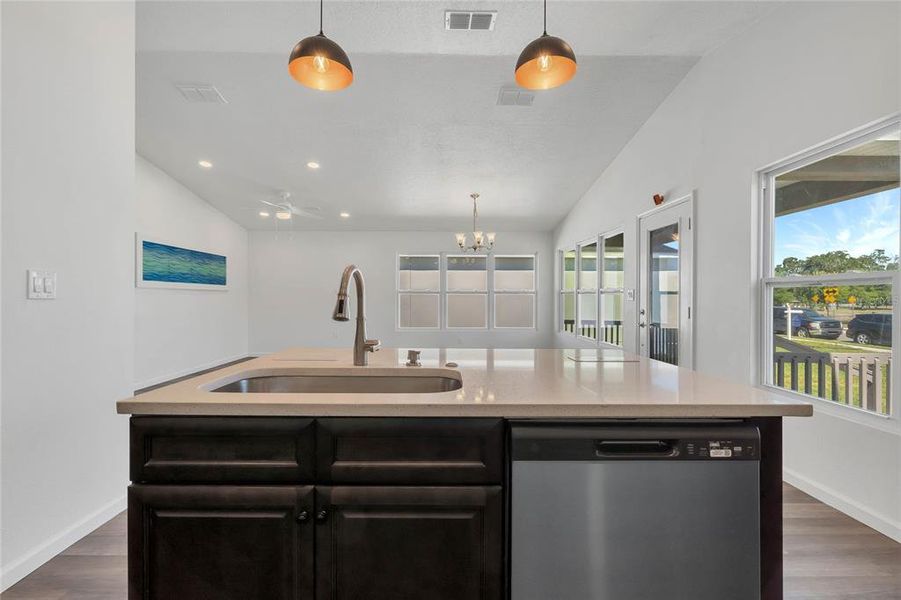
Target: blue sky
[(859, 226)]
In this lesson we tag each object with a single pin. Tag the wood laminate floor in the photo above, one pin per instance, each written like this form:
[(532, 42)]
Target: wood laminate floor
[(827, 555)]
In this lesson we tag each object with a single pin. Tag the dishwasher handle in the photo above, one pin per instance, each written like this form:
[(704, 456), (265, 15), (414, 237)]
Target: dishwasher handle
[(637, 448)]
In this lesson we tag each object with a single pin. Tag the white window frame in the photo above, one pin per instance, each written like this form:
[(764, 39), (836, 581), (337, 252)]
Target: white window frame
[(399, 292), (768, 281), (494, 293), (443, 291)]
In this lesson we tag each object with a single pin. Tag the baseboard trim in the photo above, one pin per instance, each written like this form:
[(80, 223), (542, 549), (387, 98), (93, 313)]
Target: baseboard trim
[(143, 386), (838, 501), (19, 569)]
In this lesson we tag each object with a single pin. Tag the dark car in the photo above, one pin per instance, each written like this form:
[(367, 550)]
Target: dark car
[(871, 329), (807, 322)]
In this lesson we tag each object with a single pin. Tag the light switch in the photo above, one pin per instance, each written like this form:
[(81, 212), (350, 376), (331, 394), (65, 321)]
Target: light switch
[(41, 285), (630, 295)]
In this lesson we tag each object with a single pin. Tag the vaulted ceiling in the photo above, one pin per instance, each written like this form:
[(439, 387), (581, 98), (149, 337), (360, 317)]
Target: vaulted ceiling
[(420, 128)]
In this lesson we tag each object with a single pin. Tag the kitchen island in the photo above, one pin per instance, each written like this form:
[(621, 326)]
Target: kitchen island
[(295, 480)]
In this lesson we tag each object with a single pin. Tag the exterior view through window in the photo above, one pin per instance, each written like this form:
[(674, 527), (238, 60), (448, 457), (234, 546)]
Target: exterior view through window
[(455, 291), (833, 231)]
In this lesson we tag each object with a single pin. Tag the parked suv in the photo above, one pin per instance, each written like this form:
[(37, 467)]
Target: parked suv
[(871, 329), (807, 322)]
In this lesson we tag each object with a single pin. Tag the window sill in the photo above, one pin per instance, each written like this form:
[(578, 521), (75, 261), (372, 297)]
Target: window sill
[(886, 423)]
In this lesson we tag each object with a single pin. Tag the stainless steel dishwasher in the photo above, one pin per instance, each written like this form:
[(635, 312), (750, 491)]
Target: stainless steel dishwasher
[(635, 511)]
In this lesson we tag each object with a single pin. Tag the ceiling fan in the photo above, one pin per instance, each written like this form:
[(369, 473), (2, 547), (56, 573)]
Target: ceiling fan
[(285, 209)]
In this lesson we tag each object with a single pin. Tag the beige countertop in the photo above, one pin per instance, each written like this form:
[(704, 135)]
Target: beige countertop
[(514, 383)]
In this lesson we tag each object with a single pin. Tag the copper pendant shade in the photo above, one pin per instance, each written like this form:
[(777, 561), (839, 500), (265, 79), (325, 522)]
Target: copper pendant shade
[(319, 63), (545, 63)]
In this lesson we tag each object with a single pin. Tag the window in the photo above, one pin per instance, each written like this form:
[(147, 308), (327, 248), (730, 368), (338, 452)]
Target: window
[(455, 291), (418, 292), (591, 292), (588, 290), (568, 291), (514, 291), (612, 290), (831, 237), (467, 292)]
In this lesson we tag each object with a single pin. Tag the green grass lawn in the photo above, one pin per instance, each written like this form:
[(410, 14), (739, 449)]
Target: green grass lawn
[(855, 389), (836, 346)]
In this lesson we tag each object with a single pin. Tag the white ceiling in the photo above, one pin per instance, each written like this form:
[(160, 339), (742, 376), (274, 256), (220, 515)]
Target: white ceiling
[(419, 129)]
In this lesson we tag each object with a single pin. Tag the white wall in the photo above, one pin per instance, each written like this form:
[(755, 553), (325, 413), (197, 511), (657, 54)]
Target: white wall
[(804, 74), (68, 206), (294, 278), (182, 331)]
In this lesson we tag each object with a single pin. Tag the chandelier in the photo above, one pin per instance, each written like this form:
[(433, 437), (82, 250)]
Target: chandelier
[(480, 242)]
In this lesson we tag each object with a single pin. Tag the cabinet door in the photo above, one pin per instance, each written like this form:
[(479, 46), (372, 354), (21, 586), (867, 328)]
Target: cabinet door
[(220, 542), (409, 543)]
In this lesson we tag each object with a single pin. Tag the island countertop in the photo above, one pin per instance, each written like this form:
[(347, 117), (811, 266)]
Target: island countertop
[(511, 383)]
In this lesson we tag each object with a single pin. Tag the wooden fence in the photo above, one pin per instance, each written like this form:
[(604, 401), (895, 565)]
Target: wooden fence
[(862, 380)]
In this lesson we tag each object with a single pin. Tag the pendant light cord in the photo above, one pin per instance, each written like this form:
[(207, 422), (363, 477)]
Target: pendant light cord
[(320, 16), (545, 17)]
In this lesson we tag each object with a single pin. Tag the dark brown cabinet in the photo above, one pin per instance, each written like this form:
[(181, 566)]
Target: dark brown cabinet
[(272, 508), (220, 542), (409, 543)]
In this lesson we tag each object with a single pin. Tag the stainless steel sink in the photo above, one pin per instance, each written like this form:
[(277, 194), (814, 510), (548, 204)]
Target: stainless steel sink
[(343, 384)]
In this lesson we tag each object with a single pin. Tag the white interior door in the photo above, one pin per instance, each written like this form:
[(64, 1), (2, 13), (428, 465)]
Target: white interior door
[(666, 284)]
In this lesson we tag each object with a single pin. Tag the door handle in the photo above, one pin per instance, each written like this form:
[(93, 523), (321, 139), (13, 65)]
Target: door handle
[(303, 516), (641, 324), (321, 516)]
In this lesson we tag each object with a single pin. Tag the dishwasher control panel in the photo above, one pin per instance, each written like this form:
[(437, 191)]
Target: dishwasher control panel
[(735, 449)]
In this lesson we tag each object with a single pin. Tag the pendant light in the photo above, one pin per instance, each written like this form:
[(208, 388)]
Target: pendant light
[(319, 63), (545, 63)]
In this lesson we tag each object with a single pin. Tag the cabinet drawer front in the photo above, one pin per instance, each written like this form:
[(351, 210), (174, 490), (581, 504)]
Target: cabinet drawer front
[(409, 543), (410, 451), (222, 450), (222, 542)]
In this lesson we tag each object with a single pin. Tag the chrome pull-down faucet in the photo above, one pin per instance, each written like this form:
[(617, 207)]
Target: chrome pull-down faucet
[(361, 345)]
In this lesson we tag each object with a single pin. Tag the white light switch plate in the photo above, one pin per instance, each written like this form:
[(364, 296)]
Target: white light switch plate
[(41, 285), (630, 295)]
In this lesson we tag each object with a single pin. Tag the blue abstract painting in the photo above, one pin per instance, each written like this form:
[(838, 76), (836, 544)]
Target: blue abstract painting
[(163, 263)]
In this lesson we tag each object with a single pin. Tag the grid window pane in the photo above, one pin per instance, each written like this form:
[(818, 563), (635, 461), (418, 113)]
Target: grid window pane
[(840, 213), (568, 311), (835, 342), (612, 307), (419, 273), (467, 310), (613, 262), (514, 310), (588, 315), (419, 310), (588, 267), (569, 270), (469, 273), (514, 273)]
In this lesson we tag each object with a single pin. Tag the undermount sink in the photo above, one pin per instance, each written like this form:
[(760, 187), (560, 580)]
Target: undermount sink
[(342, 384)]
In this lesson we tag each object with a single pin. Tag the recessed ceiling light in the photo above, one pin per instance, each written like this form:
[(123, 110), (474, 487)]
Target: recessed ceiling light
[(205, 164), (313, 164), (344, 215), (263, 213)]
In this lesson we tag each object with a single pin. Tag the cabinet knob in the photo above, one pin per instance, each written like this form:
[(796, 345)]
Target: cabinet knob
[(321, 516), (303, 516)]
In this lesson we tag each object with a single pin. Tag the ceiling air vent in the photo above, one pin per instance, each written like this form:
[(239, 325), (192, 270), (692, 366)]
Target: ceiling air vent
[(200, 92), (468, 20), (514, 97)]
